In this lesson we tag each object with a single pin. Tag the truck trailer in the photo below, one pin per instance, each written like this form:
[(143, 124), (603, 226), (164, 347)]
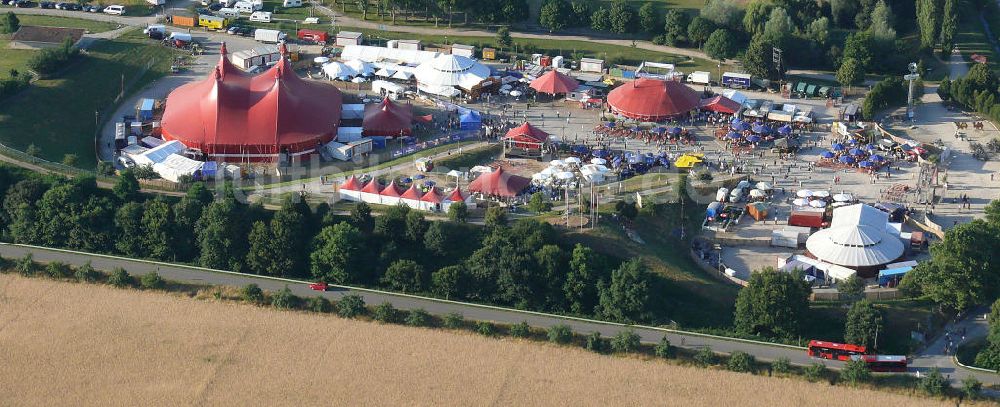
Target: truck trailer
[(736, 80)]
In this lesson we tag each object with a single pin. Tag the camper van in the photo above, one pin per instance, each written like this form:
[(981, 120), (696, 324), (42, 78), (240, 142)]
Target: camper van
[(227, 12), (261, 16), (269, 36), (244, 7), (291, 3)]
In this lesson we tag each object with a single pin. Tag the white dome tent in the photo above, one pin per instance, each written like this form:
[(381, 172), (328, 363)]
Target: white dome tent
[(859, 236), (337, 70), (361, 67), (450, 71)]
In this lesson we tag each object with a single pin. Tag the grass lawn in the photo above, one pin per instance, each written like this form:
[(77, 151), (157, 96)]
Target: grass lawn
[(57, 115), (54, 21), (971, 39), (13, 59)]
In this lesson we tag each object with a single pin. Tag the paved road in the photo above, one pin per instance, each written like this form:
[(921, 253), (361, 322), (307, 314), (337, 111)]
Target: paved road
[(194, 275)]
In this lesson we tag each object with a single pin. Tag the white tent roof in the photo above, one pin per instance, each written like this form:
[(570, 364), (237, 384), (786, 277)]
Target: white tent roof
[(857, 238), (335, 70), (734, 95), (159, 153), (451, 70), (175, 165), (375, 54), (361, 67), (404, 75)]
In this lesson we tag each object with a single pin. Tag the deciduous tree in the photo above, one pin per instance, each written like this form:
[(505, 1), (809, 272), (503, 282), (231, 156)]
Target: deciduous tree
[(625, 299), (405, 276), (773, 303), (864, 322), (335, 251)]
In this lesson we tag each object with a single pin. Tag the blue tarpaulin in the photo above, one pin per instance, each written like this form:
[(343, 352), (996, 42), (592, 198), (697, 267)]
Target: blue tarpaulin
[(887, 275)]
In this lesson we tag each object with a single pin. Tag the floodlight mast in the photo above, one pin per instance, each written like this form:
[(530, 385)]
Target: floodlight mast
[(912, 76)]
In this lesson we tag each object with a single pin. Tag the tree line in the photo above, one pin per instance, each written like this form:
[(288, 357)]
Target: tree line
[(519, 264), (498, 12), (977, 90)]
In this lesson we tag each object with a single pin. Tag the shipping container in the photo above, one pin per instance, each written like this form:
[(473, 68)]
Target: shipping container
[(183, 21), (736, 80), (811, 219), (317, 36)]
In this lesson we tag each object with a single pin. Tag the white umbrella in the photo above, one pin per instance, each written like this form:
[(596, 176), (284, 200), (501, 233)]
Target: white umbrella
[(515, 93), (385, 73), (763, 186), (572, 160), (817, 203), (358, 79), (800, 202), (821, 194), (547, 171), (756, 193), (540, 176), (804, 193), (565, 175), (556, 163), (598, 161), (743, 184), (321, 60), (843, 198)]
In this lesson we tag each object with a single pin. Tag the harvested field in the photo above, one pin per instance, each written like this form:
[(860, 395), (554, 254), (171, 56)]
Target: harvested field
[(74, 344)]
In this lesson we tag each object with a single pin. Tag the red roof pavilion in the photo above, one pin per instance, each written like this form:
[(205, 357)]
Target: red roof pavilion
[(653, 99), (391, 190), (412, 193), (527, 133), (387, 119), (432, 196), (720, 104), (554, 82), (231, 113), (499, 183), (456, 195), (351, 184), (372, 187)]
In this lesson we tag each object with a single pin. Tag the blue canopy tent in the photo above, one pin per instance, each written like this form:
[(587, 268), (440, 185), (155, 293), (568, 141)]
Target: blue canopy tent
[(785, 130), (470, 120), (828, 154), (888, 275), (753, 139), (876, 158), (846, 159), (733, 135), (600, 153), (857, 151), (744, 126), (676, 131), (758, 128), (865, 164), (838, 147), (660, 130)]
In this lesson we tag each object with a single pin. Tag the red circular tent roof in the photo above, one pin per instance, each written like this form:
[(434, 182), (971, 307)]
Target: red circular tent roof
[(387, 119), (554, 82), (527, 133), (231, 113), (653, 99)]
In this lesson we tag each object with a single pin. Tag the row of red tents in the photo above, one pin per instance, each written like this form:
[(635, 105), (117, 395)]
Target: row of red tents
[(393, 191)]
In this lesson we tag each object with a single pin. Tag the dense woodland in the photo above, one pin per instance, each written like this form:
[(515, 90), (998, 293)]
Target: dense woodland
[(519, 264)]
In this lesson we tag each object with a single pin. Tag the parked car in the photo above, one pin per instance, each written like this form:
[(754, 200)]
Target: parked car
[(319, 286), (24, 4), (215, 6), (115, 10), (73, 7), (233, 29), (47, 4), (205, 11), (95, 9), (247, 31)]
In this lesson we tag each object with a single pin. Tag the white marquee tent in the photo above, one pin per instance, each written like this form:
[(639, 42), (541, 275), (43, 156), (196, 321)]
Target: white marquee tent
[(378, 54), (335, 70), (448, 71), (859, 236)]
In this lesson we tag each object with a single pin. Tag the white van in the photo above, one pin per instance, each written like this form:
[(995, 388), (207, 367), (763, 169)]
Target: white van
[(261, 16), (244, 7), (291, 3), (229, 13), (227, 3), (115, 10)]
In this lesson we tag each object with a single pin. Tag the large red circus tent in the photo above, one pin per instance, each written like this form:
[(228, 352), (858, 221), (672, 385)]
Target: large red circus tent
[(720, 104), (234, 115), (653, 99), (387, 119), (499, 183), (526, 133), (554, 82)]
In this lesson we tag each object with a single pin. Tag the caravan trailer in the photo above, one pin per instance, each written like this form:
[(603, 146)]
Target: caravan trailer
[(736, 80)]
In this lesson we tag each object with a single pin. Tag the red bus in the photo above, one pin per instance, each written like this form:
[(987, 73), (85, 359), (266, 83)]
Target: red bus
[(884, 363), (833, 350)]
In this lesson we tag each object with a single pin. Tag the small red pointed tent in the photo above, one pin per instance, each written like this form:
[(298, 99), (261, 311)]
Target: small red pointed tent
[(372, 187), (432, 196), (387, 119), (456, 196), (720, 104), (351, 184), (554, 82), (499, 183), (413, 193), (527, 133), (391, 190)]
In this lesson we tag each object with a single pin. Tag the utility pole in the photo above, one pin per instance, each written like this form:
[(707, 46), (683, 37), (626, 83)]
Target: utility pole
[(912, 76)]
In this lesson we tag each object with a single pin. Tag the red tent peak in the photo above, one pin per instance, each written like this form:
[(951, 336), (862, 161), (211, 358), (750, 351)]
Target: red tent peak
[(412, 193), (391, 190), (350, 184), (222, 49), (456, 195), (372, 187), (283, 50), (432, 196)]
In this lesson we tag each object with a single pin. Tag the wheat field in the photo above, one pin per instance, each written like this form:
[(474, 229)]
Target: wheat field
[(75, 344)]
